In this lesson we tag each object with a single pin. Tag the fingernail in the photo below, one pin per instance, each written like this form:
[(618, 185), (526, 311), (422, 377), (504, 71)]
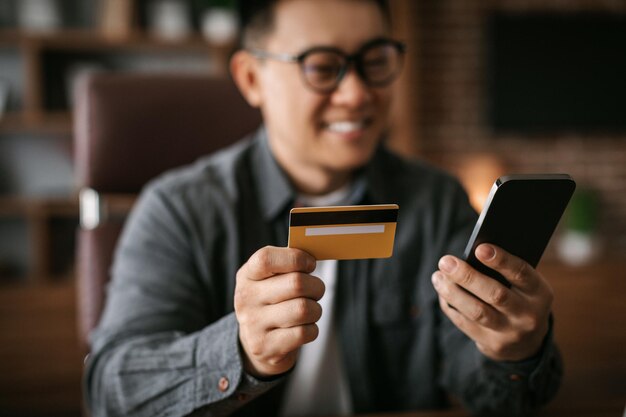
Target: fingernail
[(447, 264), (486, 252)]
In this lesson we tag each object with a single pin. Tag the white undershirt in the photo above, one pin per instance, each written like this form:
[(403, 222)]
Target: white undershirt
[(318, 385)]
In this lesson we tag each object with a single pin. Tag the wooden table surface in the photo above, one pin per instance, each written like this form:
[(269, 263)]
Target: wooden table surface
[(566, 412)]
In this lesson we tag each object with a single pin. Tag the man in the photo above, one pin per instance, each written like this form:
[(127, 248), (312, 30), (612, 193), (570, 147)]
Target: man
[(209, 313)]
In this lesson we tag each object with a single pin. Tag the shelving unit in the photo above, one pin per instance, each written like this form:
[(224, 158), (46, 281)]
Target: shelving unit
[(42, 216), (44, 56), (49, 64), (41, 358)]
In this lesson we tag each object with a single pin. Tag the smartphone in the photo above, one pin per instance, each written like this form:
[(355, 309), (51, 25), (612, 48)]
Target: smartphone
[(520, 216)]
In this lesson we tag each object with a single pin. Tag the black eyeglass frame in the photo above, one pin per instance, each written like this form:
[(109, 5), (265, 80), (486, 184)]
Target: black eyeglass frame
[(354, 59)]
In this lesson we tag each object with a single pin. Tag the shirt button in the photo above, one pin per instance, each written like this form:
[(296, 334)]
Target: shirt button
[(223, 384), (414, 312), (515, 377), (242, 397)]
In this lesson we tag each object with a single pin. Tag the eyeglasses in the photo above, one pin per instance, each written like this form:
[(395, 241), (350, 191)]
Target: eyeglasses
[(378, 63)]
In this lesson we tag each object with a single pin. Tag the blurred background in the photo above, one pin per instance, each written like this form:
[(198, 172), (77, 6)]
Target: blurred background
[(490, 87)]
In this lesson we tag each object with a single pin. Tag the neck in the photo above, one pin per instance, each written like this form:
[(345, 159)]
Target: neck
[(310, 178), (317, 182)]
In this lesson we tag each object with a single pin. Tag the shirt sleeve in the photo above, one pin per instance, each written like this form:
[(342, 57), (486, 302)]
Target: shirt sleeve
[(159, 348), (487, 387)]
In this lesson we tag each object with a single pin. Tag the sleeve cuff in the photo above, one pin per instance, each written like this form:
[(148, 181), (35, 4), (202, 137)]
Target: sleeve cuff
[(219, 354), (527, 368)]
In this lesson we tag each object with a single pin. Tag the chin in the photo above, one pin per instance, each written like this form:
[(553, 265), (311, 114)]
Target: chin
[(351, 160)]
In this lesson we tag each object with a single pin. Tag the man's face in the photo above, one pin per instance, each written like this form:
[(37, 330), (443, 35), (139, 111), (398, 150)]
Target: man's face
[(333, 132)]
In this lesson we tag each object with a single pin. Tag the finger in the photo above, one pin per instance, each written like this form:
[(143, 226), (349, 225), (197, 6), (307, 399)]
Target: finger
[(472, 330), (281, 341), (487, 289), (289, 286), (517, 271), (290, 313), (271, 260), (275, 351), (465, 303)]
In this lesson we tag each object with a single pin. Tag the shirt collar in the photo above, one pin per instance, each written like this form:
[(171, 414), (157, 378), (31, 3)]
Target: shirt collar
[(376, 176), (275, 189)]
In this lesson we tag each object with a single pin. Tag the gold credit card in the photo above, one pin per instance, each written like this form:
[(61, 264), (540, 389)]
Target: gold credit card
[(344, 232)]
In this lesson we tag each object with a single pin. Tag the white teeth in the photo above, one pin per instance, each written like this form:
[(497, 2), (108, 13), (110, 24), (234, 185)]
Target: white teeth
[(345, 127)]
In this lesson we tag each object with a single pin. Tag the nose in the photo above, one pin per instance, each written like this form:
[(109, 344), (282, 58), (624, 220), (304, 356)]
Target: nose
[(351, 91)]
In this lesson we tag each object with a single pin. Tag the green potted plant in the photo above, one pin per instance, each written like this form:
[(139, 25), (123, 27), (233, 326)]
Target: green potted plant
[(578, 244)]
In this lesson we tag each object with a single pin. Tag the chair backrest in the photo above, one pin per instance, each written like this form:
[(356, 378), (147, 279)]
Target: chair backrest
[(129, 128)]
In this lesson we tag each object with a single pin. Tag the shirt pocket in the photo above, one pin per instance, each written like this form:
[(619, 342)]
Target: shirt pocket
[(393, 297), (394, 331)]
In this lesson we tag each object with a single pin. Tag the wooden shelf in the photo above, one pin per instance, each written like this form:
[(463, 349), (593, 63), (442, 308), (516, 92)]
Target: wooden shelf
[(116, 204), (37, 206), (40, 216), (89, 40), (46, 123), (9, 38), (119, 205), (12, 122)]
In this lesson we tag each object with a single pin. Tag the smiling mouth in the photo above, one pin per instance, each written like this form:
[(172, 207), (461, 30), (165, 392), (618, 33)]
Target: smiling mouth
[(347, 126)]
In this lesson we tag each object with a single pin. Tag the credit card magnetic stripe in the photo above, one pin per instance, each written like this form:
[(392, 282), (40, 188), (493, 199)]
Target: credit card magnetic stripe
[(343, 217)]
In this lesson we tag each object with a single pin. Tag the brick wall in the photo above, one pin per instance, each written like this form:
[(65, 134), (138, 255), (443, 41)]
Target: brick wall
[(449, 38)]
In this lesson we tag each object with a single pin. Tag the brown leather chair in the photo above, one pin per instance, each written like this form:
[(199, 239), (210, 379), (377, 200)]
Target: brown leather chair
[(128, 128)]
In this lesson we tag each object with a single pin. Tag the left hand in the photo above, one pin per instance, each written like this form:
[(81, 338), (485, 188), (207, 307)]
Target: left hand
[(507, 324)]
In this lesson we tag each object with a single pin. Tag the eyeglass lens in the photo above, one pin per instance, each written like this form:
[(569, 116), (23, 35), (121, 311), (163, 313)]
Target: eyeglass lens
[(377, 65)]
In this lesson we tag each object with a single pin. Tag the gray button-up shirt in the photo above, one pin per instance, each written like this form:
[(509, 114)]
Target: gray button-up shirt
[(167, 344)]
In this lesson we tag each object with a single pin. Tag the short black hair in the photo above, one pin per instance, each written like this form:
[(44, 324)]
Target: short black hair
[(256, 18)]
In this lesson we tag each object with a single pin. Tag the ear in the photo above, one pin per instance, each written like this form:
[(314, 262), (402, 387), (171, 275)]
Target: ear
[(244, 70)]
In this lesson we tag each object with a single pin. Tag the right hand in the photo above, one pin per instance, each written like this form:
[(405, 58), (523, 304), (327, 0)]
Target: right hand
[(276, 307)]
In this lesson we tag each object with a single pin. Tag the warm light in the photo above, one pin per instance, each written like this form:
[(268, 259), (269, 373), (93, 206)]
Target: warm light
[(477, 174)]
